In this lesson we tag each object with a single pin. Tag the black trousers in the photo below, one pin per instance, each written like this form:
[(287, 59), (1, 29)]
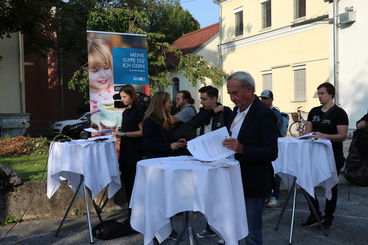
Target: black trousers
[(330, 205), (128, 167)]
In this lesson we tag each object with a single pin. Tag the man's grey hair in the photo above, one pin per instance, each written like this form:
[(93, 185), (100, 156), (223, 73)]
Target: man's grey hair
[(245, 78)]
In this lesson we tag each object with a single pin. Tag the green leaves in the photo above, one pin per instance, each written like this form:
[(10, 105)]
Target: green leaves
[(79, 82), (196, 69), (10, 220)]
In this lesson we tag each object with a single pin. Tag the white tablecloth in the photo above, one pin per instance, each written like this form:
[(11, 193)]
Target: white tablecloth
[(310, 161), (166, 186), (96, 161)]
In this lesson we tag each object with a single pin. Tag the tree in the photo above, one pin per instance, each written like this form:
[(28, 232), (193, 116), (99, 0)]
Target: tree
[(33, 18), (169, 18), (58, 26), (134, 21)]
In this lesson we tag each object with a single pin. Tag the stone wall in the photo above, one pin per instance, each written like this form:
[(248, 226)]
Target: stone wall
[(32, 194)]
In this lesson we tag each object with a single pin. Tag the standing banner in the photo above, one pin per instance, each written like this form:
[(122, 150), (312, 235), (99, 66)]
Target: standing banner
[(114, 59)]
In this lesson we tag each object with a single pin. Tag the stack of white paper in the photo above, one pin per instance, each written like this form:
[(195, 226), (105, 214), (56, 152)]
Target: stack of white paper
[(208, 147)]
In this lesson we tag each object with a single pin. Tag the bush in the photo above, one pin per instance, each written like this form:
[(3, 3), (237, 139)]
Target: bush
[(20, 146)]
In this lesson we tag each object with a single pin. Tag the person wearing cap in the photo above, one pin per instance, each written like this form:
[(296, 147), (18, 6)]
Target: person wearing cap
[(267, 98)]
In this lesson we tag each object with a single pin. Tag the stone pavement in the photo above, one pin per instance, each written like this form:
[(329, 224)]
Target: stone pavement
[(350, 225)]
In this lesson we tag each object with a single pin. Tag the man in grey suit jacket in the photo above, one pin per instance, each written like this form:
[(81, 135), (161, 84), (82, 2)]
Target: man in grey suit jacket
[(254, 139)]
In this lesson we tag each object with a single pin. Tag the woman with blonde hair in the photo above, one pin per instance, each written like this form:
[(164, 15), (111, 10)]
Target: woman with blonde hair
[(158, 137)]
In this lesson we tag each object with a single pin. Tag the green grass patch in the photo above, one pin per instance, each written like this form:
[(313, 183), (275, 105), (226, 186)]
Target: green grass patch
[(28, 167)]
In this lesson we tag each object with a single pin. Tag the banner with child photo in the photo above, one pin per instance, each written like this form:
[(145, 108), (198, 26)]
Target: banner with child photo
[(114, 60)]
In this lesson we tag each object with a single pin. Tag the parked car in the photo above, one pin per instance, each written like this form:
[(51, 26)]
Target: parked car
[(77, 131), (60, 126)]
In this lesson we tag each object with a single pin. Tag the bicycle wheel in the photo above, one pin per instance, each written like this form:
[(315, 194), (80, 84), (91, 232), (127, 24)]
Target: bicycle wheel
[(293, 129)]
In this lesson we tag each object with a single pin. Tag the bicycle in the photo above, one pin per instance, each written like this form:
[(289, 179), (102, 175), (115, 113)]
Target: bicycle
[(299, 123)]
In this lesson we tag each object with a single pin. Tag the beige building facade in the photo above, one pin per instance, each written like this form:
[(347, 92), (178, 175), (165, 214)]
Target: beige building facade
[(283, 44), (12, 96)]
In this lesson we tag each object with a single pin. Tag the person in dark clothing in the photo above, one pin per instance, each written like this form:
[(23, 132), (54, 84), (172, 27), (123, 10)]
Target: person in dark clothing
[(327, 122), (212, 115), (363, 122), (131, 145), (184, 103), (267, 98), (254, 139), (158, 137)]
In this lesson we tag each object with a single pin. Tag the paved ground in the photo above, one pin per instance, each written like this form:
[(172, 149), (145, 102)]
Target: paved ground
[(350, 226)]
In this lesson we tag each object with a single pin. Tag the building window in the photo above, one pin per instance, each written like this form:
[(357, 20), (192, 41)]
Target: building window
[(299, 8), (175, 86), (267, 81), (238, 22), (299, 84), (266, 14)]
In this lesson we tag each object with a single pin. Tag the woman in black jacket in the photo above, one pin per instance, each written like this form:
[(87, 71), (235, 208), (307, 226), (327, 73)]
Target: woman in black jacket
[(158, 137), (131, 146)]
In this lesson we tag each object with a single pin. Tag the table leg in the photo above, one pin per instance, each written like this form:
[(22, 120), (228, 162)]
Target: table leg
[(68, 209), (102, 202), (292, 216), (314, 211), (286, 203), (185, 225), (192, 236), (97, 209), (88, 216), (188, 225)]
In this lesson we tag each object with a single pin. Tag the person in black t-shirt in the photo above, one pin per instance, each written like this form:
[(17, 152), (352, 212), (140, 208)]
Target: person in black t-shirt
[(131, 144), (327, 122)]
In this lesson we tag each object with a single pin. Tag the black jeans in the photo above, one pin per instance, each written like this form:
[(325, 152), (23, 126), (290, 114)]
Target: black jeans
[(330, 206), (127, 166)]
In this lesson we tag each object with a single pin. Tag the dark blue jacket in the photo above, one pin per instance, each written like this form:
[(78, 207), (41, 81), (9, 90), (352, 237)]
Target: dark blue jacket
[(258, 135), (156, 140)]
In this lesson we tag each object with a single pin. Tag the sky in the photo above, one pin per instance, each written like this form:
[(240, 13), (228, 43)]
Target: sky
[(204, 11)]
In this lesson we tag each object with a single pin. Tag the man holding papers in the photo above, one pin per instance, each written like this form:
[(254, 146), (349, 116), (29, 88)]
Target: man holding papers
[(254, 139)]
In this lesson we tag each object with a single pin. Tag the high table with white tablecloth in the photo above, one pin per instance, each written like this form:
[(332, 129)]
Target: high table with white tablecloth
[(96, 161), (310, 161), (166, 186), (306, 163), (93, 164)]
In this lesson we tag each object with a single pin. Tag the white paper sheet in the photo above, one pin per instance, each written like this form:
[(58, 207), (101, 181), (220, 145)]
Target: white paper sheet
[(306, 136), (104, 131), (208, 147)]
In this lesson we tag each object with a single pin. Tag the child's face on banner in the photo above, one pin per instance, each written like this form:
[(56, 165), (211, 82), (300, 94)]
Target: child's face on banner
[(100, 79)]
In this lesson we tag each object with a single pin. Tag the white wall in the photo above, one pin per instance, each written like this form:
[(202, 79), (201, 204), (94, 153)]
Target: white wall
[(10, 76), (353, 62), (210, 54)]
